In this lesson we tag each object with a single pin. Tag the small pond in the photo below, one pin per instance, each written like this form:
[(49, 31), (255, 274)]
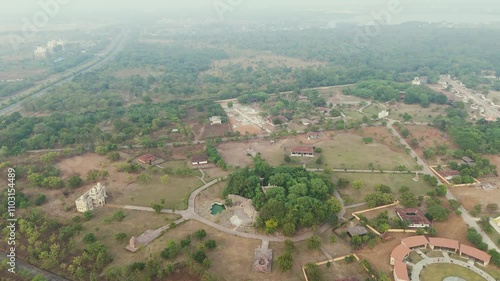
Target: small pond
[(217, 208)]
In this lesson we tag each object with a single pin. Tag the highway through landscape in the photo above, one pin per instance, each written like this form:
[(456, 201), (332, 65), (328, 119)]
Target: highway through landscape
[(111, 52)]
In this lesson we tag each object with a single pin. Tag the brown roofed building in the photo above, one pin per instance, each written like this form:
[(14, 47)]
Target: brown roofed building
[(323, 110), (357, 231), (399, 253), (479, 256), (303, 151), (147, 159), (401, 272), (468, 160), (415, 242), (443, 244), (414, 216), (490, 119), (199, 159)]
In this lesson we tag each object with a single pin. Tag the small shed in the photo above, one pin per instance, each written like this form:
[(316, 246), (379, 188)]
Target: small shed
[(147, 159), (468, 160), (199, 159), (357, 231)]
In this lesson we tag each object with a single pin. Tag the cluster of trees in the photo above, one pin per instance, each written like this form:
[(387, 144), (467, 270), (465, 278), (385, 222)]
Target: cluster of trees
[(50, 254), (468, 172), (382, 196), (481, 137), (477, 239), (383, 90), (285, 261), (9, 88), (253, 97), (18, 133), (214, 156), (173, 248), (298, 198)]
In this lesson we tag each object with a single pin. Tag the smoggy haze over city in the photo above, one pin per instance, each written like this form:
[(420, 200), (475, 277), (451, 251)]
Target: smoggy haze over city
[(479, 11)]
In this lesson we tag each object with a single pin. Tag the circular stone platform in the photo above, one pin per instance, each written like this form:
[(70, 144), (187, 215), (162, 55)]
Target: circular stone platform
[(453, 278)]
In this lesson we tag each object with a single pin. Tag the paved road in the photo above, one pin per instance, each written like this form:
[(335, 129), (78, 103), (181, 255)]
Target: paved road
[(112, 51), (490, 110), (22, 265), (417, 268), (471, 222), (364, 171)]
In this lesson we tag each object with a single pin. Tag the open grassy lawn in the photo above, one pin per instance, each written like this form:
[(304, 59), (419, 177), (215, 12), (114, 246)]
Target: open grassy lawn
[(375, 109), (418, 113), (341, 269), (414, 257), (354, 114), (175, 192), (347, 151), (395, 181), (493, 271), (134, 223), (436, 272)]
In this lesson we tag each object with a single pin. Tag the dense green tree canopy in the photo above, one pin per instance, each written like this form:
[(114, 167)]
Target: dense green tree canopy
[(298, 198)]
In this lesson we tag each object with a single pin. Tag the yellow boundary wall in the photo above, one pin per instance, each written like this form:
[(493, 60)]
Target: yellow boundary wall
[(355, 214), (447, 182)]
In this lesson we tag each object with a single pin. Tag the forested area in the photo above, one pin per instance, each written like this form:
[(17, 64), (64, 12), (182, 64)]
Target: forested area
[(52, 246), (381, 90), (65, 129), (481, 137), (297, 198), (7, 88), (405, 51)]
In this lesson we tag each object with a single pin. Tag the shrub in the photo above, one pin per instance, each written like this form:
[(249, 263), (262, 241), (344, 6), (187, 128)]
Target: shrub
[(285, 261), (210, 244), (40, 199), (199, 256), (89, 238), (200, 234), (120, 236), (313, 242)]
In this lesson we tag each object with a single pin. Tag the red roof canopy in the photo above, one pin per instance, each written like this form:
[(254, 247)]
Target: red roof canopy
[(303, 150)]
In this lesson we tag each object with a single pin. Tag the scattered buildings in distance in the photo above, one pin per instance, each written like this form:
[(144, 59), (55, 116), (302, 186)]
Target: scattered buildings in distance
[(416, 218), (489, 119), (92, 199), (420, 80), (215, 120), (52, 47), (147, 159), (55, 45), (40, 53), (199, 159), (303, 151), (312, 136)]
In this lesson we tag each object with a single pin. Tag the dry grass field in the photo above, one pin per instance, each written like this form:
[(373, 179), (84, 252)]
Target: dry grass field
[(175, 192), (418, 113), (395, 181), (347, 151)]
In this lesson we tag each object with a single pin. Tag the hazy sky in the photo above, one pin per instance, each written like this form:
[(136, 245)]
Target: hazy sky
[(411, 9)]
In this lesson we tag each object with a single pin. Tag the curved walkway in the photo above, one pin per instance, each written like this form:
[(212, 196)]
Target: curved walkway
[(418, 267), (190, 214)]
